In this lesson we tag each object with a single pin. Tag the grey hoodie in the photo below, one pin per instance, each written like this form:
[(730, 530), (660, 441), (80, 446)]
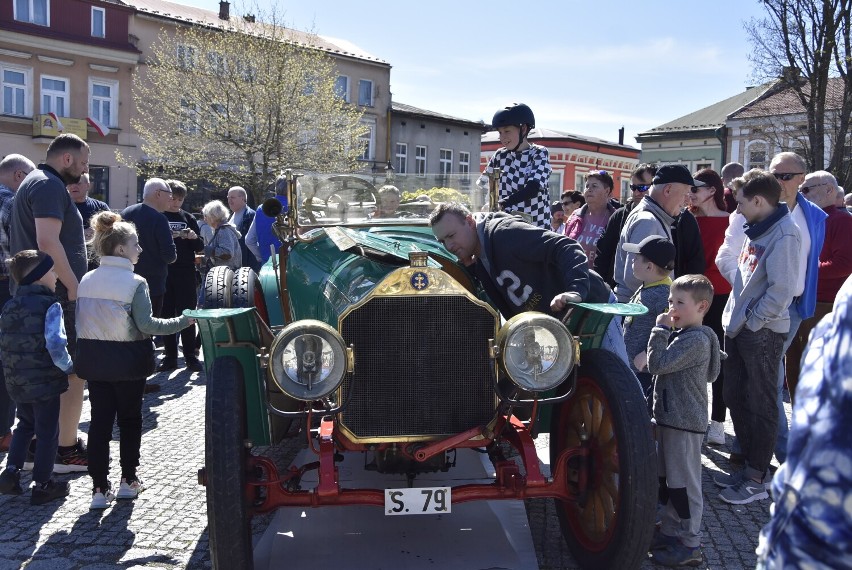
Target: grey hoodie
[(765, 278), (683, 363), (224, 247)]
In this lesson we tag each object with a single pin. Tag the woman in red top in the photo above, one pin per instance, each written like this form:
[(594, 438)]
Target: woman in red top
[(707, 204)]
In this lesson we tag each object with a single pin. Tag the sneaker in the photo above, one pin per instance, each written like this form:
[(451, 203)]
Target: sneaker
[(193, 365), (49, 491), (5, 442), (678, 555), (76, 460), (10, 482), (129, 490), (662, 541), (725, 480), (167, 364), (746, 491), (101, 499), (716, 433)]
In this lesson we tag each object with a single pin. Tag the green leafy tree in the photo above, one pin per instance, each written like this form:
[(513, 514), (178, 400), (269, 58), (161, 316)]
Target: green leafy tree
[(237, 104), (808, 43)]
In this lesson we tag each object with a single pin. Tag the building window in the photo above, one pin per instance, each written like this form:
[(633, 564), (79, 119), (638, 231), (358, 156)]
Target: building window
[(98, 22), (702, 166), (554, 185), (401, 158), (54, 96), (579, 183), (188, 123), (365, 93), (756, 155), (341, 87), (216, 61), (185, 56), (16, 90), (420, 161), (464, 166), (99, 176), (33, 11), (368, 143), (103, 101), (445, 164)]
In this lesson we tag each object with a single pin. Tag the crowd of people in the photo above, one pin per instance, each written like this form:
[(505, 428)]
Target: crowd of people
[(735, 268), (84, 293)]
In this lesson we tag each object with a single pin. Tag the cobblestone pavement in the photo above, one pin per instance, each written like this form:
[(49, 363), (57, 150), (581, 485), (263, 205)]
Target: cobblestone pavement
[(166, 526)]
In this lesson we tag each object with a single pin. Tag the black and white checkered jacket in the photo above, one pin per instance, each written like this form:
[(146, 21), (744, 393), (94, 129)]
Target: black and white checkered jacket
[(523, 184)]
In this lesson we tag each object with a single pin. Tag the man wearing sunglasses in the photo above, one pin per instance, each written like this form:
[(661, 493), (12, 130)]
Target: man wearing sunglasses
[(835, 263), (659, 213), (640, 183)]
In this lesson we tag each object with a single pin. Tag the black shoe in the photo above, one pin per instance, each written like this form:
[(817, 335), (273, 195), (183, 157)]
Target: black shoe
[(49, 491), (193, 365), (10, 482), (167, 364)]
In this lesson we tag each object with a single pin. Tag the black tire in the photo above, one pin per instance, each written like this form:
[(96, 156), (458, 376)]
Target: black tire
[(226, 466), (217, 288), (246, 291), (611, 526)]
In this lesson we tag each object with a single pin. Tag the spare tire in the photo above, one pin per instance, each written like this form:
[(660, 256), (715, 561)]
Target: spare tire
[(217, 288), (246, 291)]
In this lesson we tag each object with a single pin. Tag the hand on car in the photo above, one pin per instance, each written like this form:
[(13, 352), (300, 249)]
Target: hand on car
[(560, 301)]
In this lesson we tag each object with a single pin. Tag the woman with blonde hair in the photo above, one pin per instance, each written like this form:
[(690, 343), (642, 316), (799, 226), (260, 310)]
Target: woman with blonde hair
[(115, 352)]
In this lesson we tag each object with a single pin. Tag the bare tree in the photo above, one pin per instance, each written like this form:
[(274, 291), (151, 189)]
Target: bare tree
[(239, 102), (807, 44)]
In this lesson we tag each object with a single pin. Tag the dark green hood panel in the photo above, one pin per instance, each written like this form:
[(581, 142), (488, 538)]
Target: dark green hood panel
[(339, 267)]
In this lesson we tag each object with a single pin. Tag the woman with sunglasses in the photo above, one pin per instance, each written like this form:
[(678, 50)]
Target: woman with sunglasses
[(707, 204), (587, 224)]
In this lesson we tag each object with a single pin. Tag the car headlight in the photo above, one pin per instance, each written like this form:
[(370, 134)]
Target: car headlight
[(308, 360), (536, 351)]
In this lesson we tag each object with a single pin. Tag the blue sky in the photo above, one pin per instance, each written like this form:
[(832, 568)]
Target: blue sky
[(584, 67)]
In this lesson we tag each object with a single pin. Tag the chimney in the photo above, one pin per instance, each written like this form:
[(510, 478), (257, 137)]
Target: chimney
[(621, 135), (224, 10)]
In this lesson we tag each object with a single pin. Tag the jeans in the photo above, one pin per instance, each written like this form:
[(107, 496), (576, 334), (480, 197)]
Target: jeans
[(180, 295), (7, 405), (783, 427), (39, 419), (751, 391), (111, 400)]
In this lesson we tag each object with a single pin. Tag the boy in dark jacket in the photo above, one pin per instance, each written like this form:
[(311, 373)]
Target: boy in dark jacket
[(36, 363), (683, 361)]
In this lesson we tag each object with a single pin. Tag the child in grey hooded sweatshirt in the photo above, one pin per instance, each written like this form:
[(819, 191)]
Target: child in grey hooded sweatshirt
[(684, 357)]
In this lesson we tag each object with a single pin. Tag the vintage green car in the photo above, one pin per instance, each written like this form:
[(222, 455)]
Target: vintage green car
[(366, 336)]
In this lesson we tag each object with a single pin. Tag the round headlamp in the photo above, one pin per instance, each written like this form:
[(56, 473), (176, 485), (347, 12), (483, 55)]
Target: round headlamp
[(536, 351), (308, 360)]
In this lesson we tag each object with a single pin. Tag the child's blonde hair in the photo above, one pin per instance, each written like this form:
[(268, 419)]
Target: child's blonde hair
[(111, 231)]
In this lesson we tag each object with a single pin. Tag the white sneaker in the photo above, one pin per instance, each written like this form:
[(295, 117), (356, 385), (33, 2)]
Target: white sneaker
[(101, 499), (129, 490), (716, 433)]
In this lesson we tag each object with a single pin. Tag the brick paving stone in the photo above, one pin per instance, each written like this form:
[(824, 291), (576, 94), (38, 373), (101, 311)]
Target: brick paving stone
[(166, 527)]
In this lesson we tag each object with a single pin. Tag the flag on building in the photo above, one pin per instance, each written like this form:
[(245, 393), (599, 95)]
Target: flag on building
[(59, 126), (102, 129)]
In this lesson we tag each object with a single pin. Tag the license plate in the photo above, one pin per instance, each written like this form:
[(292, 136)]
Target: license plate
[(417, 501)]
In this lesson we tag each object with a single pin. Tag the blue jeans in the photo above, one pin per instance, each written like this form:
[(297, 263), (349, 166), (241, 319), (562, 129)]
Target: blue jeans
[(42, 420), (7, 406), (751, 387), (783, 428)]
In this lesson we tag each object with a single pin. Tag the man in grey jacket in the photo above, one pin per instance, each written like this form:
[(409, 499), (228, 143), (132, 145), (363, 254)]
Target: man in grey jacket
[(655, 215), (756, 321)]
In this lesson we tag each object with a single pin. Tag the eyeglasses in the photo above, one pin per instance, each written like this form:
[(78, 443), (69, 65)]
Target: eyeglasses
[(567, 203), (166, 191), (786, 176), (640, 187), (695, 189), (806, 189)]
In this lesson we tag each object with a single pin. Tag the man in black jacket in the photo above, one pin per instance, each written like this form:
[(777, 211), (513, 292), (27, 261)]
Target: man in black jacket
[(523, 267)]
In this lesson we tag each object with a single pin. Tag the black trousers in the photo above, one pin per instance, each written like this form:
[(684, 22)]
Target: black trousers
[(713, 319), (180, 295), (111, 401)]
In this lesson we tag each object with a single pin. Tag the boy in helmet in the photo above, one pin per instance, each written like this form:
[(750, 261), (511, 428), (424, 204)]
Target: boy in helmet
[(525, 166)]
